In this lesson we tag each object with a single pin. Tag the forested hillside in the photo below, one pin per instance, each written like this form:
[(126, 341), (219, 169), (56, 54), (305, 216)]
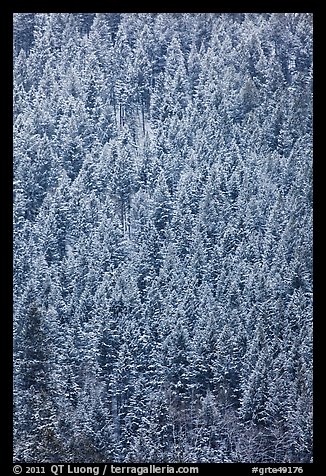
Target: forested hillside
[(163, 237)]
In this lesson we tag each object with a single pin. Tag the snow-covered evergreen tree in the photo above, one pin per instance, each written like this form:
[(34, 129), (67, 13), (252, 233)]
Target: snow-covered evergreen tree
[(162, 237)]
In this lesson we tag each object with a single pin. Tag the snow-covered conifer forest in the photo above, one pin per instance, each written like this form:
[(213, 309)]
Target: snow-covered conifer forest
[(163, 237)]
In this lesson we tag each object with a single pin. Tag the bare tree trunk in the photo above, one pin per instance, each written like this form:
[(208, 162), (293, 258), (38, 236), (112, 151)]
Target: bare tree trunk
[(143, 118)]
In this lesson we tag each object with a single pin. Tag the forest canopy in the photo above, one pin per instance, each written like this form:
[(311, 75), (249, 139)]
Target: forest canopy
[(163, 237)]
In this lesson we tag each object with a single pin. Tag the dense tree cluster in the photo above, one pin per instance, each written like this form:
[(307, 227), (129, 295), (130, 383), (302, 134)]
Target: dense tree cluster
[(163, 237)]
